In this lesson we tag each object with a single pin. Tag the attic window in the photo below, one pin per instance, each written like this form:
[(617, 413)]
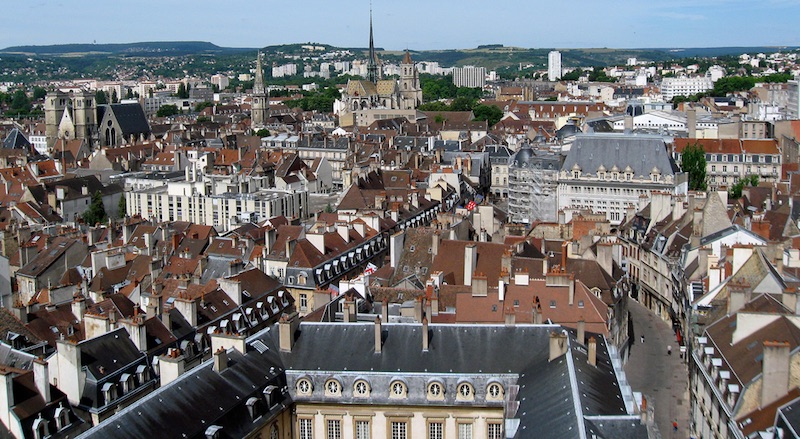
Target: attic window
[(411, 248), (552, 304), (580, 304)]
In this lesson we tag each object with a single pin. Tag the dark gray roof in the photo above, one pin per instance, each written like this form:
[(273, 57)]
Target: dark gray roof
[(624, 427), (527, 157), (788, 418), (546, 388), (201, 398), (641, 153), (130, 117), (15, 139)]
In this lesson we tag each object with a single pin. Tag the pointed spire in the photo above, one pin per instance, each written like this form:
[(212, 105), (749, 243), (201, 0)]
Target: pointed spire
[(372, 64), (258, 85), (407, 58)]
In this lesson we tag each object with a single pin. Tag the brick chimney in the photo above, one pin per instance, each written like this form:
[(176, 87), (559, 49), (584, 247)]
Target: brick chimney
[(775, 371)]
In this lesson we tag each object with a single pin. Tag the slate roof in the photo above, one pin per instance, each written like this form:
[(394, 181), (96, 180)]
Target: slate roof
[(15, 139), (641, 153), (130, 117), (519, 353)]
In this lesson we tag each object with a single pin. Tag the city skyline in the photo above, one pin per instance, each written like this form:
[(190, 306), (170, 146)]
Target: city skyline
[(416, 25)]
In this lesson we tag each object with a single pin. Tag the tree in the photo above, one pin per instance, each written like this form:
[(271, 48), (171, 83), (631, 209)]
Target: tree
[(39, 93), (263, 132), (96, 213), (122, 207), (183, 92), (101, 97), (167, 110), (694, 165), (114, 97), (490, 113), (201, 106), (129, 94), (738, 187)]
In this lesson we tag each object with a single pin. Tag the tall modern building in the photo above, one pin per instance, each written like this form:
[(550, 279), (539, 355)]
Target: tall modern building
[(793, 107), (469, 76), (554, 65)]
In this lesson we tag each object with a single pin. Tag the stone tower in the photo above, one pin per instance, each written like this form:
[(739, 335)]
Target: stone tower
[(260, 106), (410, 90), (70, 116)]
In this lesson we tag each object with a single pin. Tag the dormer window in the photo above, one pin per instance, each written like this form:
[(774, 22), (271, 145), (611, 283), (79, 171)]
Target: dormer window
[(397, 390), (333, 388), (361, 389), (304, 386), (494, 392), (465, 392), (436, 391), (40, 428)]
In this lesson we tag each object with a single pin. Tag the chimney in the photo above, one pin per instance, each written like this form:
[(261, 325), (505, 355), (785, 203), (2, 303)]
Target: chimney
[(70, 375), (349, 310), (385, 310), (290, 243), (558, 345), (171, 365), (775, 371), (220, 360), (521, 277), (505, 261), (425, 334), (287, 327), (418, 307), (396, 243), (42, 378), (343, 230), (691, 122), (604, 256), (739, 295), (188, 309), (480, 285), (511, 317), (79, 307), (501, 290), (592, 351), (378, 335), (470, 261), (435, 241), (628, 124), (231, 287), (581, 331)]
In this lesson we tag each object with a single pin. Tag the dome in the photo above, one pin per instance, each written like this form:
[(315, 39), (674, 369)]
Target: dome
[(614, 168), (566, 131), (601, 168), (522, 157)]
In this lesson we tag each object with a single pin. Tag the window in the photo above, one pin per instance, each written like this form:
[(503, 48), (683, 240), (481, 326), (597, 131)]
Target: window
[(435, 391), (435, 430), (399, 430), (273, 432), (552, 304), (398, 390), (304, 387), (464, 431), (362, 429), (580, 304), (494, 391), (361, 388), (333, 388), (306, 431), (495, 431), (303, 302), (465, 391), (334, 429)]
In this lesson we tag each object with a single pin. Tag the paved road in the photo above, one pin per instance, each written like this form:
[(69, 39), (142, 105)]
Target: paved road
[(662, 378)]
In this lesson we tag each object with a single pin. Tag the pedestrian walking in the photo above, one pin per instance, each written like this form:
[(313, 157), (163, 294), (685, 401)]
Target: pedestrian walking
[(669, 350), (643, 339), (675, 425)]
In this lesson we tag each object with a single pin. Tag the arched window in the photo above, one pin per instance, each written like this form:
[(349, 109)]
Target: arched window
[(465, 392), (361, 389), (436, 391), (398, 389), (333, 388)]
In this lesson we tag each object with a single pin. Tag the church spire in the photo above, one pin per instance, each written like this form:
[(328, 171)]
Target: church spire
[(372, 64), (258, 85)]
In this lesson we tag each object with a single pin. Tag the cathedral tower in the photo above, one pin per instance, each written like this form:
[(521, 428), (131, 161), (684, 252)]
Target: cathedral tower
[(410, 90), (373, 75), (260, 105)]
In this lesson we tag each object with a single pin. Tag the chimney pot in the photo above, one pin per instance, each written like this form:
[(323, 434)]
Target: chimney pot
[(378, 335)]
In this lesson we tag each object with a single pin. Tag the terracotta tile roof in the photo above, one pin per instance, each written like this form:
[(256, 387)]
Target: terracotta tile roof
[(450, 259), (711, 146), (760, 146), (51, 325)]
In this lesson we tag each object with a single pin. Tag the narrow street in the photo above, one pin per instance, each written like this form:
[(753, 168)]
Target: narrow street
[(661, 378)]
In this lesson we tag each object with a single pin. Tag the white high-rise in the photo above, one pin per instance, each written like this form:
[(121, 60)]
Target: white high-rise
[(554, 65), (469, 76)]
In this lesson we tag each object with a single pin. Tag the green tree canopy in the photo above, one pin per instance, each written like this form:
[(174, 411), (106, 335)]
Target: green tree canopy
[(39, 93), (202, 106), (114, 97), (167, 110), (101, 97), (96, 213), (738, 187), (694, 165), (263, 132), (122, 207), (490, 113)]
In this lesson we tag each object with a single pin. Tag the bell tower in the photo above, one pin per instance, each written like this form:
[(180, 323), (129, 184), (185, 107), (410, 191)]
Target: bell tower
[(260, 105)]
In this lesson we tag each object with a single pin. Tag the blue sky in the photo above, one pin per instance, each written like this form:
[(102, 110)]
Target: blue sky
[(414, 24)]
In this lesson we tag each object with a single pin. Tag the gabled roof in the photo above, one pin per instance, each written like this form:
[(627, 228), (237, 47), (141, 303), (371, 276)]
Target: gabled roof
[(130, 117)]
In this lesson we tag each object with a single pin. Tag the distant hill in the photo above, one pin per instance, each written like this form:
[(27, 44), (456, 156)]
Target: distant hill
[(157, 48)]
